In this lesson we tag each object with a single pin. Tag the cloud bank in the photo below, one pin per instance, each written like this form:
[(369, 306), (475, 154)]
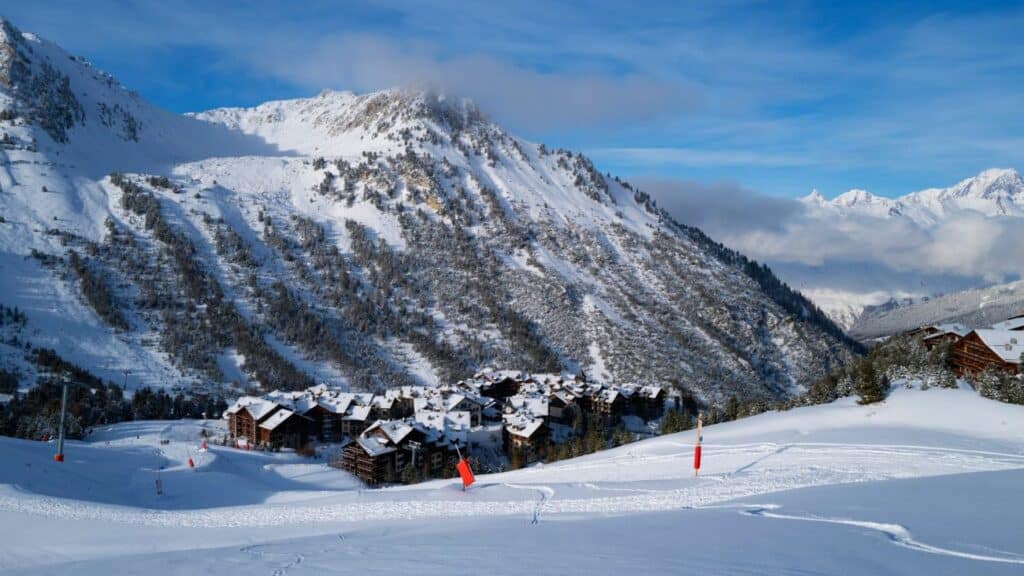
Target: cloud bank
[(966, 247)]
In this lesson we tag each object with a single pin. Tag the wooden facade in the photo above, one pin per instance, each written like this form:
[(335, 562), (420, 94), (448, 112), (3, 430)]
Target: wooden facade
[(972, 356), (530, 446), (375, 458), (293, 432), (501, 389), (242, 424), (648, 403), (935, 340), (324, 425), (371, 468)]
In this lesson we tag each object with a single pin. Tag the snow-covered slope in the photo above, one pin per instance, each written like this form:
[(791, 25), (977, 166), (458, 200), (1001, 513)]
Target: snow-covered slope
[(973, 308), (375, 239), (924, 483)]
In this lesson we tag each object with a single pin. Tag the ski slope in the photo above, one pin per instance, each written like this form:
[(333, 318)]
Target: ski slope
[(925, 483)]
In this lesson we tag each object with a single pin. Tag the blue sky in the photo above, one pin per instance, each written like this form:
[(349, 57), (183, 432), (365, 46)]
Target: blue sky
[(774, 98)]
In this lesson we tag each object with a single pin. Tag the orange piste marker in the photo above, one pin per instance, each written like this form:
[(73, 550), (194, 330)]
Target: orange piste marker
[(465, 473)]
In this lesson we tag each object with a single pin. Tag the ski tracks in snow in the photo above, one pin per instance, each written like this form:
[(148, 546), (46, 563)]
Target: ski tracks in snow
[(803, 465), (282, 562), (896, 534), (546, 494)]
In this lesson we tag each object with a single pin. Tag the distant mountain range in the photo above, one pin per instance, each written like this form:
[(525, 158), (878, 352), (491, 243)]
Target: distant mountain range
[(371, 240), (994, 192), (935, 241), (975, 308)]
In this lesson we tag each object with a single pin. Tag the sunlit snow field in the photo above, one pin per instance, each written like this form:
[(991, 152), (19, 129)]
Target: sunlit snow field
[(930, 482)]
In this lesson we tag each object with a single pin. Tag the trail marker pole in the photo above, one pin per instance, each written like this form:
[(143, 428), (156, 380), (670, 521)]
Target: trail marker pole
[(59, 456), (465, 472), (696, 447)]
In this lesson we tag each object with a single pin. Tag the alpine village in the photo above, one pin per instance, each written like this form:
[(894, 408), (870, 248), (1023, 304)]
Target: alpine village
[(505, 418)]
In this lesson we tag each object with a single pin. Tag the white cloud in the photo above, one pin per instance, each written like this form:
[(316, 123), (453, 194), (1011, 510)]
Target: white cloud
[(663, 157), (785, 231), (522, 97)]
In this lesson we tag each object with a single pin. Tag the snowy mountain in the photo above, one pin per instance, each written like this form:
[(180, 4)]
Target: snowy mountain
[(379, 239), (977, 308), (994, 192), (878, 250)]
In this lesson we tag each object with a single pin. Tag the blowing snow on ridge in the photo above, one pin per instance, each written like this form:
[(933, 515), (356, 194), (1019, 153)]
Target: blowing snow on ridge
[(375, 240)]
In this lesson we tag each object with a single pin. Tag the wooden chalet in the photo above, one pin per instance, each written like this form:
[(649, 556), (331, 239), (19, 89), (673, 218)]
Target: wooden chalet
[(562, 407), (284, 429), (936, 339), (384, 450), (648, 402), (983, 349), (502, 386), (245, 416), (526, 436), (356, 420), (606, 403)]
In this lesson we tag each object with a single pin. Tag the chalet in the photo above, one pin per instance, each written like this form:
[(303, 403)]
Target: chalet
[(647, 402), (500, 385), (981, 349), (524, 435), (245, 415), (284, 428), (933, 329), (383, 451), (608, 403), (381, 407), (328, 416), (356, 420), (445, 400), (562, 407), (936, 339)]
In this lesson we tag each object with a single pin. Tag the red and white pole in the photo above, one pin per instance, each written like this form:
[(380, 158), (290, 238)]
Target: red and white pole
[(696, 447)]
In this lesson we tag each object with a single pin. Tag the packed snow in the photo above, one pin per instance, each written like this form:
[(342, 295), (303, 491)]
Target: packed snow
[(924, 483)]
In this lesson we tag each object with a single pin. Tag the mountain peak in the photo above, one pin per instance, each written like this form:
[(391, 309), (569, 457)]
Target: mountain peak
[(814, 197), (991, 183), (447, 112), (855, 197)]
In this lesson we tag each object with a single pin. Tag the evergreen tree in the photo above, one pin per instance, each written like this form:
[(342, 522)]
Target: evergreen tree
[(732, 408), (868, 385)]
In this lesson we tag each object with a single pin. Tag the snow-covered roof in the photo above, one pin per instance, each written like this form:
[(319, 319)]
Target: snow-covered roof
[(395, 430), (953, 328), (536, 406), (651, 391), (452, 425), (256, 406), (374, 446), (383, 402), (336, 404), (452, 401), (1007, 344), (276, 419), (523, 425), (357, 413), (1016, 324)]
